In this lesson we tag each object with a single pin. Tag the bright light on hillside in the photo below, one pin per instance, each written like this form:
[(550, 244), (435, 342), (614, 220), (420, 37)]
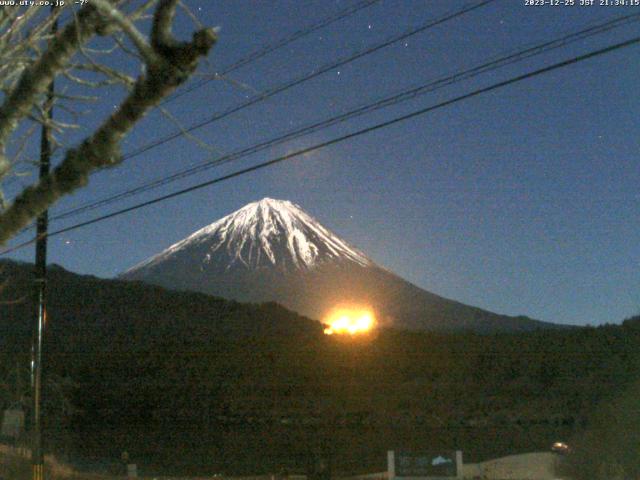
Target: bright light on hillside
[(349, 321)]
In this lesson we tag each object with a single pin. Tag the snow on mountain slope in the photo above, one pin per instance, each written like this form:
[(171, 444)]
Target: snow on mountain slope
[(272, 250), (268, 233)]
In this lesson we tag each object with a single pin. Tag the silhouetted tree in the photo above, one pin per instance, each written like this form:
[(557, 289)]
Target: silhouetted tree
[(31, 58)]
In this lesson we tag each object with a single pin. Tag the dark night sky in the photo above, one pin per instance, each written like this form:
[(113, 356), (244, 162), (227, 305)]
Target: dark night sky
[(521, 201)]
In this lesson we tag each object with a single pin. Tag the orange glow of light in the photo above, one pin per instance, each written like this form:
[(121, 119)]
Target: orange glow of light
[(350, 321)]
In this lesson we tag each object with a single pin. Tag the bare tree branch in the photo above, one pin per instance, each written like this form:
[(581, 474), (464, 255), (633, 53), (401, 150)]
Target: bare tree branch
[(201, 143), (36, 78), (127, 26), (114, 75), (171, 64)]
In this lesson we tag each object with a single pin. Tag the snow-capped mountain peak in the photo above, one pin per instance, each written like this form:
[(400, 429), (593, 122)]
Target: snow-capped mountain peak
[(267, 233), (273, 251)]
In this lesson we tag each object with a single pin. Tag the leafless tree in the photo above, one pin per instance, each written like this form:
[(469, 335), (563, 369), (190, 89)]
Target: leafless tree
[(31, 57)]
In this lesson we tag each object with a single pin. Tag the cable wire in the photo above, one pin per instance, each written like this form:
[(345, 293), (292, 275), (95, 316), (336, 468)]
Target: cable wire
[(305, 78), (367, 108), (340, 139), (315, 73), (257, 54)]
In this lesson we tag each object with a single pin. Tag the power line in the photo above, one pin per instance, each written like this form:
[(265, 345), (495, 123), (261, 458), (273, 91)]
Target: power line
[(297, 81), (290, 84), (367, 108), (257, 54), (342, 138)]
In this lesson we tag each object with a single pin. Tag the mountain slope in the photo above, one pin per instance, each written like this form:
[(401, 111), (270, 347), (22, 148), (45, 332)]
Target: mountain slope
[(272, 250), (266, 234)]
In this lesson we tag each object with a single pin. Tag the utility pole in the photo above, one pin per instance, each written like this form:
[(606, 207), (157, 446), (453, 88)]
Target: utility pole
[(37, 454)]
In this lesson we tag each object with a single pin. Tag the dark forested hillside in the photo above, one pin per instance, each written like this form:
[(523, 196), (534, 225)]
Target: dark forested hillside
[(195, 384)]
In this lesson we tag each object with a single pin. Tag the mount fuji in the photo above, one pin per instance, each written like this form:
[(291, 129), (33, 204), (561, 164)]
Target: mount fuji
[(272, 250)]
